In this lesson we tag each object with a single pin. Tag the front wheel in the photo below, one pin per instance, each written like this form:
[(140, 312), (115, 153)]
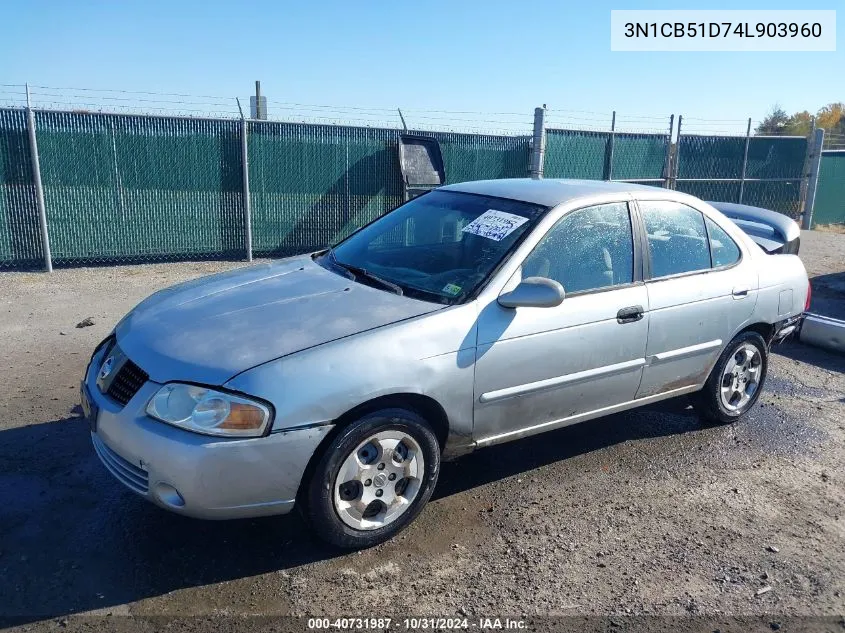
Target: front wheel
[(373, 479), (736, 380)]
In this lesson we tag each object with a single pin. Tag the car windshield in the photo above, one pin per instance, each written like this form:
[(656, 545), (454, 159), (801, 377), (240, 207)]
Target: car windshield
[(441, 246)]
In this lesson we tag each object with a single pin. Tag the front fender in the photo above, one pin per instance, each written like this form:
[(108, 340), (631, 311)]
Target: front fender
[(432, 355)]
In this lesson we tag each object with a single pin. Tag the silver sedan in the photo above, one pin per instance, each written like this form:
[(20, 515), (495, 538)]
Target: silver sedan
[(475, 314)]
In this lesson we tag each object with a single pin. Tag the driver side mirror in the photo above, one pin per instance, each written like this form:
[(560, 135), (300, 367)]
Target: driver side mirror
[(533, 292)]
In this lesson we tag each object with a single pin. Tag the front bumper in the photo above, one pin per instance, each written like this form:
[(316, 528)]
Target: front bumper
[(197, 475)]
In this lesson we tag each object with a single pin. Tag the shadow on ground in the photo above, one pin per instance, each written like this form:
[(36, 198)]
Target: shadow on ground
[(811, 355), (74, 540), (828, 296)]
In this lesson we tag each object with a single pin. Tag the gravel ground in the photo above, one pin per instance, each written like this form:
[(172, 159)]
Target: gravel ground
[(646, 512), (824, 257)]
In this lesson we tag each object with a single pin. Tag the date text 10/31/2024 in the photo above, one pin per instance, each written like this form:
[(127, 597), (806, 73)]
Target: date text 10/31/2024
[(416, 624)]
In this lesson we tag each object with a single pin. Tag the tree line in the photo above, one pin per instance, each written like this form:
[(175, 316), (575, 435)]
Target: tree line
[(831, 118)]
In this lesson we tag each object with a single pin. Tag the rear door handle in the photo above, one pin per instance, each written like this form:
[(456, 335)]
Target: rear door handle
[(629, 314), (740, 291)]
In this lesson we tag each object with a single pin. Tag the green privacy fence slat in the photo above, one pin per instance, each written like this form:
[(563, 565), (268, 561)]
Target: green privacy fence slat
[(20, 238), (585, 154), (772, 157), (829, 207), (639, 156), (125, 187), (709, 190), (310, 185), (710, 156), (575, 154), (783, 196), (134, 187), (482, 156), (721, 157), (141, 188)]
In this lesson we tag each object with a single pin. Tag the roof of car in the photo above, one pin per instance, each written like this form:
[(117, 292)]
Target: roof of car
[(547, 192)]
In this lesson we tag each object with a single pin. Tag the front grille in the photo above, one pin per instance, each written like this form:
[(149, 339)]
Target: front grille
[(129, 379), (128, 474)]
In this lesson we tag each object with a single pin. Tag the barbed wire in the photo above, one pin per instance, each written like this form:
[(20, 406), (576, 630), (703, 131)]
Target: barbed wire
[(123, 101)]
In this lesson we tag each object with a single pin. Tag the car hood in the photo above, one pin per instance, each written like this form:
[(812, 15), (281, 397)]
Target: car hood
[(212, 328)]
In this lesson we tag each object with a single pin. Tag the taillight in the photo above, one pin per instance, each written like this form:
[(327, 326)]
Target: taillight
[(809, 296)]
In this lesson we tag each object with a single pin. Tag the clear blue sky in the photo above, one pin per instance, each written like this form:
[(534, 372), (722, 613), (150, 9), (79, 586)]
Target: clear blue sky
[(458, 55)]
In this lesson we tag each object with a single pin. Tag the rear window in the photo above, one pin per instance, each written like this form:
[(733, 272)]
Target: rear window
[(724, 250), (677, 238)]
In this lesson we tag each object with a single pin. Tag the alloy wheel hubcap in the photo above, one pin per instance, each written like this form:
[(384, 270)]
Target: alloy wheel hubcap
[(741, 377), (378, 481)]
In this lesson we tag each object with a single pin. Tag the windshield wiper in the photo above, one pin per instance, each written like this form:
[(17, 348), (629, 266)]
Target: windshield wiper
[(363, 272)]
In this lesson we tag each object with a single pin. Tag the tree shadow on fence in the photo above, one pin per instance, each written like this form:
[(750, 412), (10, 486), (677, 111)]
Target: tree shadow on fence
[(343, 203)]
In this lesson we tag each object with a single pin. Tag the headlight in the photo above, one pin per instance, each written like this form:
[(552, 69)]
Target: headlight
[(207, 411)]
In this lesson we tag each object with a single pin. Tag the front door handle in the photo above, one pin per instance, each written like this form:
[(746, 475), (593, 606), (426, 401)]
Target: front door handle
[(740, 291), (630, 314)]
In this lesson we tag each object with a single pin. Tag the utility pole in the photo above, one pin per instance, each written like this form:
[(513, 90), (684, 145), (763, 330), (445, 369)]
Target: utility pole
[(258, 104), (538, 146)]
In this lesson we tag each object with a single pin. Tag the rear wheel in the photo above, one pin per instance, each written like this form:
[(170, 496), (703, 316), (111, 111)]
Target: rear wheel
[(736, 380), (373, 479)]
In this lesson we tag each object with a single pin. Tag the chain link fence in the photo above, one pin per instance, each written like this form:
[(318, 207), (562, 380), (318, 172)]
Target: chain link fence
[(311, 185), (20, 239), (761, 171), (593, 155), (137, 188)]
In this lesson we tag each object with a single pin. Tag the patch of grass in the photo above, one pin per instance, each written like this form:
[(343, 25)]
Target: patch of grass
[(830, 228)]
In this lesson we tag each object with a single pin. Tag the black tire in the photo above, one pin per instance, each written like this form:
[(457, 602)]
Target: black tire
[(318, 507), (708, 402)]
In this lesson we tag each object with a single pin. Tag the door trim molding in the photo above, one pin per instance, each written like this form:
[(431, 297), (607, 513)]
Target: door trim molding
[(550, 383), (582, 417), (682, 352)]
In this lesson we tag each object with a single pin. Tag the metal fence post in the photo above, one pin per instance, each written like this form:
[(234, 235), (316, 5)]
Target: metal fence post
[(247, 209), (39, 188), (813, 180), (676, 162), (745, 161), (805, 171), (667, 163), (538, 149), (610, 143)]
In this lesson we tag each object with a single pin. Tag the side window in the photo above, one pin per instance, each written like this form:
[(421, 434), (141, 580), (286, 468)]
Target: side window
[(677, 239), (722, 248), (587, 249)]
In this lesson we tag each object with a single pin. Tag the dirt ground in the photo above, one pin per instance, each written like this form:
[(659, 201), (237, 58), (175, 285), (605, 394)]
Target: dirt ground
[(646, 512)]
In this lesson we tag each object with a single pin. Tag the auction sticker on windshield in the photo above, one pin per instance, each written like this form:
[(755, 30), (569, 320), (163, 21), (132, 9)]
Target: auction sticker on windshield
[(495, 225)]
